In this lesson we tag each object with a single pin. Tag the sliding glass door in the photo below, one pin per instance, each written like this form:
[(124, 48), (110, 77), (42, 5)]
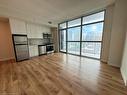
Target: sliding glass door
[(83, 36)]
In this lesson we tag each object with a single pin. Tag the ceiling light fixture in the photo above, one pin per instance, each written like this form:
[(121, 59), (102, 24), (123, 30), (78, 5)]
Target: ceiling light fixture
[(50, 22)]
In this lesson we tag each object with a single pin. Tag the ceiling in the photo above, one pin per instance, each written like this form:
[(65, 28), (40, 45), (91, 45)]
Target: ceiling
[(43, 11)]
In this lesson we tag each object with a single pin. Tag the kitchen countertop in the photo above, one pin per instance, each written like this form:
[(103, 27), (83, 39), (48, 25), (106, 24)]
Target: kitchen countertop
[(45, 44), (40, 44)]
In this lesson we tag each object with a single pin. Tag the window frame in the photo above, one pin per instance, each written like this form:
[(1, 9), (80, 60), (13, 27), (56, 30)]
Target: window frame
[(104, 10)]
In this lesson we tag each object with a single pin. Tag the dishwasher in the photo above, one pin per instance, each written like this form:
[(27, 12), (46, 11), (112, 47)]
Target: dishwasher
[(42, 49)]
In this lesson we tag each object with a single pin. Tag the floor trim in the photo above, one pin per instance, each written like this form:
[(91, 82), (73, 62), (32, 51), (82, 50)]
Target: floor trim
[(124, 77), (8, 60)]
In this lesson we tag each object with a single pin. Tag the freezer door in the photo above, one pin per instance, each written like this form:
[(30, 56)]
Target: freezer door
[(22, 52), (20, 40)]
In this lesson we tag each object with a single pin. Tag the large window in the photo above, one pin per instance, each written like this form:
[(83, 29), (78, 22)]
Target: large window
[(92, 32), (83, 36), (75, 22), (73, 40), (74, 48), (94, 18), (92, 35), (74, 34), (91, 49)]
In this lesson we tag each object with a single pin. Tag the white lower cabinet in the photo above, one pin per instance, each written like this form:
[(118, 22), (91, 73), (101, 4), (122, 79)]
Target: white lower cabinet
[(33, 50), (36, 51)]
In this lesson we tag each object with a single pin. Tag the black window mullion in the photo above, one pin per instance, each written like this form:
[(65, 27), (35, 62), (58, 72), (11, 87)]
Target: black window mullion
[(66, 36), (93, 23), (73, 41), (84, 41), (81, 36), (92, 41), (59, 36), (73, 26)]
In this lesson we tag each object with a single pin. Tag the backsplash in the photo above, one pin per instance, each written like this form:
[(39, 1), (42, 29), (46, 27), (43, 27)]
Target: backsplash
[(36, 41)]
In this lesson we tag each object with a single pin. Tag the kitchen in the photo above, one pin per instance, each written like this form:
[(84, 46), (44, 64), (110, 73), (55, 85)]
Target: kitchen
[(30, 39)]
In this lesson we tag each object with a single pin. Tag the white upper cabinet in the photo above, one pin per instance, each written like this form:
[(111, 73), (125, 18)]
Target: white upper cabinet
[(36, 31), (32, 30), (17, 26)]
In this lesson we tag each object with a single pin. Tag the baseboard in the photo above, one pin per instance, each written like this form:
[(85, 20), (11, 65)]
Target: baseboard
[(124, 77), (114, 65), (12, 59), (104, 61)]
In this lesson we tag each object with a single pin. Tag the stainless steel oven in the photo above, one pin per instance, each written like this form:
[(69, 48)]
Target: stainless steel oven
[(50, 48)]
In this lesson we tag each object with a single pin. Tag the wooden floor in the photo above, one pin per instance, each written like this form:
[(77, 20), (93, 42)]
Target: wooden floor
[(60, 74)]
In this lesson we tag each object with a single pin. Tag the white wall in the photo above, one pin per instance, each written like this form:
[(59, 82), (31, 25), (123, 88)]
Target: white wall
[(117, 33), (124, 58), (107, 32), (124, 61), (6, 44)]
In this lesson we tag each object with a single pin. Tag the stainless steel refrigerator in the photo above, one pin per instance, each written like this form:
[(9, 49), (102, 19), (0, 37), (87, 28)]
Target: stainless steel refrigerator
[(20, 47)]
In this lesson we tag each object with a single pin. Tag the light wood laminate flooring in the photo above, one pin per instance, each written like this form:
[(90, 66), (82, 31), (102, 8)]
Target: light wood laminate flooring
[(60, 74)]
